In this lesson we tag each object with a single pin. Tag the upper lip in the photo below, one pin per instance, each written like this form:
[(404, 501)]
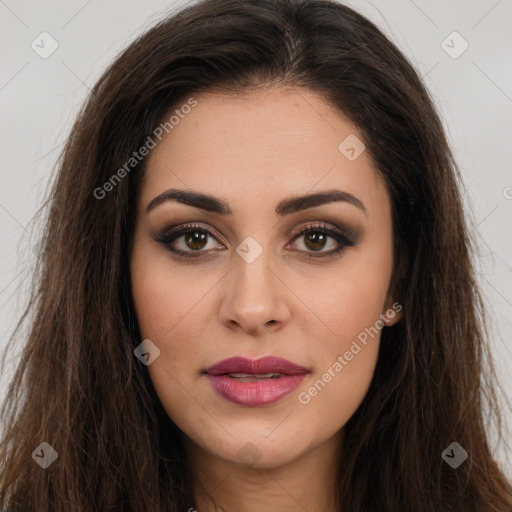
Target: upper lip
[(264, 365)]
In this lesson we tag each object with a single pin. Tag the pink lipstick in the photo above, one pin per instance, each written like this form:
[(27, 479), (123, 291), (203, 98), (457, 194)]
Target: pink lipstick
[(255, 382)]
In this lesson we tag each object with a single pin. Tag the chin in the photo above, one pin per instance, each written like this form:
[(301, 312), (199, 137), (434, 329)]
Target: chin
[(260, 452)]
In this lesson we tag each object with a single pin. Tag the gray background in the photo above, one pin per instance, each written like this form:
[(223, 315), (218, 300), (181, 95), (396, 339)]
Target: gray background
[(39, 99)]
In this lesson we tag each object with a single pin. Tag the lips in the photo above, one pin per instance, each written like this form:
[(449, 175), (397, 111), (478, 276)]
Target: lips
[(255, 382), (262, 366)]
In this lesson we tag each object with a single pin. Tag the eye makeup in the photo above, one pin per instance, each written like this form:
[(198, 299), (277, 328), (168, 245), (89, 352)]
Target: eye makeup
[(316, 233)]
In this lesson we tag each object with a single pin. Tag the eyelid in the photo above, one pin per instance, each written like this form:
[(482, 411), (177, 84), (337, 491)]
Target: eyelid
[(344, 237), (347, 234), (180, 229)]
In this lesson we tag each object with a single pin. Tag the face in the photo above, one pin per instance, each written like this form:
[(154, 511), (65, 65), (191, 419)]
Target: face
[(251, 271)]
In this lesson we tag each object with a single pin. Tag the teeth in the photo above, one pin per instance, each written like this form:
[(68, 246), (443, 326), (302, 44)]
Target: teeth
[(261, 376)]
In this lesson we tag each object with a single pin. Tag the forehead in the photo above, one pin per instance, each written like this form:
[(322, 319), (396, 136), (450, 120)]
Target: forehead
[(263, 145)]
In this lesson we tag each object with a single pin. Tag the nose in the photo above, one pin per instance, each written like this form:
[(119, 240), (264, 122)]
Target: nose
[(254, 298)]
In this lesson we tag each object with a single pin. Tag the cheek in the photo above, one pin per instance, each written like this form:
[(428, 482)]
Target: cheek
[(172, 323), (345, 358), (167, 298), (342, 303), (346, 339), (165, 318), (170, 307)]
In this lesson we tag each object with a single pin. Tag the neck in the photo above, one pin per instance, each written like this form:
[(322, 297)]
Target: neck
[(306, 483)]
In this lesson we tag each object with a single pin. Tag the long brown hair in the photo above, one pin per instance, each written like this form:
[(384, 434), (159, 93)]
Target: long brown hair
[(78, 386)]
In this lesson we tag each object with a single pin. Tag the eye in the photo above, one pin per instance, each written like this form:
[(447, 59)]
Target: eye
[(315, 238), (188, 240), (193, 241)]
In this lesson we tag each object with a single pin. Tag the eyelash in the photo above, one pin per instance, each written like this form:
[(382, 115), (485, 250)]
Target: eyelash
[(166, 238)]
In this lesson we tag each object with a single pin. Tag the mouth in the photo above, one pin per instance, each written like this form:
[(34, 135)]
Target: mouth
[(247, 377), (255, 382)]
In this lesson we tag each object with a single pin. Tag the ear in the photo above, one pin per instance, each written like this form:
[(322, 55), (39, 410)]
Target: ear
[(392, 312)]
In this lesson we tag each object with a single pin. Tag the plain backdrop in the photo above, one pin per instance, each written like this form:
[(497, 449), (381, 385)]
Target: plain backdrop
[(461, 48)]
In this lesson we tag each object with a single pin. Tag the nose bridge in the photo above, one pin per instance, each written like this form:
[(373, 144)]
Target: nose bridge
[(253, 298), (252, 273)]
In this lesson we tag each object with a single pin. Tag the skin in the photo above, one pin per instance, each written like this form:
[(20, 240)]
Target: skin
[(253, 151)]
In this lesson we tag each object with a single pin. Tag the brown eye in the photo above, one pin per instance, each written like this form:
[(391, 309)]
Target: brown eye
[(189, 241), (196, 240), (316, 238), (315, 241)]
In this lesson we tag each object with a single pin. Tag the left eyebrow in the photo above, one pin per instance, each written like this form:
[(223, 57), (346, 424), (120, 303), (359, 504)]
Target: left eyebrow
[(285, 207)]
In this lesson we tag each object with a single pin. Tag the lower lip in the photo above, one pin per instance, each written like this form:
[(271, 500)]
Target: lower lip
[(263, 392)]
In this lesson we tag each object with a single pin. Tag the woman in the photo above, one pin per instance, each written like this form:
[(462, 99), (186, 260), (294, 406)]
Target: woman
[(256, 290)]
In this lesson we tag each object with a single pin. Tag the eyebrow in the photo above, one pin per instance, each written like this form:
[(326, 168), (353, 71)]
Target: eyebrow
[(285, 207)]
